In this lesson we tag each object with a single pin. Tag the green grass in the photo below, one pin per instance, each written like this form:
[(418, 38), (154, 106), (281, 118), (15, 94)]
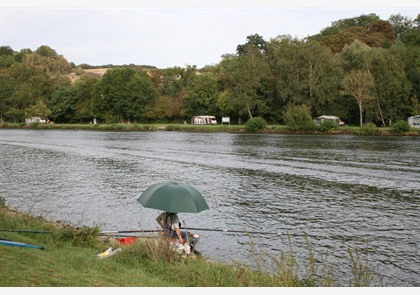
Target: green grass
[(69, 260), (275, 129)]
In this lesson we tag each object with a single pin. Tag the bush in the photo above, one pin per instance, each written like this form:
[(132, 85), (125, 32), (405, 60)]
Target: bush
[(79, 236), (298, 118), (368, 129), (400, 126), (255, 125), (327, 125)]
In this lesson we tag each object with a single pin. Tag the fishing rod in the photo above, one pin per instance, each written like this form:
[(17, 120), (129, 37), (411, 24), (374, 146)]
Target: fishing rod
[(26, 231), (193, 228), (132, 233), (117, 232), (235, 231)]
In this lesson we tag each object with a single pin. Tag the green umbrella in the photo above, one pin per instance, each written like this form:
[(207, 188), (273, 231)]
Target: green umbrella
[(173, 197)]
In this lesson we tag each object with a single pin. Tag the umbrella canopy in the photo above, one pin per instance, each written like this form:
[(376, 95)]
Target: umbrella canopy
[(173, 197)]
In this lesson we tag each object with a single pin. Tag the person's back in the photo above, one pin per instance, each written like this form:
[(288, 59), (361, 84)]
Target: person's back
[(171, 225)]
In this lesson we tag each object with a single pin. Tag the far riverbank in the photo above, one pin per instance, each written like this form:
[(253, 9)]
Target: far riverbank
[(270, 129)]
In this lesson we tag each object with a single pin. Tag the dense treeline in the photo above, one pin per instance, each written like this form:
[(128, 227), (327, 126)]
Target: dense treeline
[(362, 69)]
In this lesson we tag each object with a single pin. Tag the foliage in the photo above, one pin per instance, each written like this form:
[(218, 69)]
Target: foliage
[(390, 84), (256, 124), (78, 236), (359, 85), (201, 95), (400, 126), (298, 117), (123, 94), (368, 129), (327, 126), (39, 109), (260, 79), (2, 202), (248, 75)]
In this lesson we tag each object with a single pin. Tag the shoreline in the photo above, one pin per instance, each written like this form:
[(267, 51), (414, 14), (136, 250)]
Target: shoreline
[(270, 129)]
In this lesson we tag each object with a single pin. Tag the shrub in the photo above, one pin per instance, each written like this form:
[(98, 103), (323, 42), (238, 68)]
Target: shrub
[(327, 125), (2, 202), (368, 129), (400, 126), (79, 236), (298, 118), (255, 125)]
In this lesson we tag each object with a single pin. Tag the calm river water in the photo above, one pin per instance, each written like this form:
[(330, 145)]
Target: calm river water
[(361, 193)]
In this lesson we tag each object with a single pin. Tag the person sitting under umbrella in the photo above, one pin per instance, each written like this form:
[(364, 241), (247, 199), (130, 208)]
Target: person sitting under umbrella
[(169, 222)]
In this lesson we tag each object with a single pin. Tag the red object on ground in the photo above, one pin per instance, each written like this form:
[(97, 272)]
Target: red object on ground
[(126, 241)]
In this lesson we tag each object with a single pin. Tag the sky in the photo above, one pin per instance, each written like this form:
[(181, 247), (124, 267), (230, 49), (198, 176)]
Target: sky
[(170, 33)]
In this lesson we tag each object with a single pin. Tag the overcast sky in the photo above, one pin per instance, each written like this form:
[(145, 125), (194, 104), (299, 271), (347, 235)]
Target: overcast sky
[(166, 33)]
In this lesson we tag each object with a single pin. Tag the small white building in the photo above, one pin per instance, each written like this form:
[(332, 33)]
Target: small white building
[(414, 121), (41, 120), (335, 119)]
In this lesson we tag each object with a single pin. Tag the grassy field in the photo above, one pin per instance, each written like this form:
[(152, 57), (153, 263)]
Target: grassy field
[(69, 259)]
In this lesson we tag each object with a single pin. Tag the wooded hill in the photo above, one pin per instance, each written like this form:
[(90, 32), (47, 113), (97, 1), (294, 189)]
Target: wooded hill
[(362, 69)]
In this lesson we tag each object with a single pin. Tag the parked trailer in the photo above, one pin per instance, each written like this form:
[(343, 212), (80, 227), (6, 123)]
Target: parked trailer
[(334, 119), (203, 120), (41, 120), (414, 121)]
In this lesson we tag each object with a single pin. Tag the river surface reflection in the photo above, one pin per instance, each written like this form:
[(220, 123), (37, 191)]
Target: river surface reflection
[(341, 191)]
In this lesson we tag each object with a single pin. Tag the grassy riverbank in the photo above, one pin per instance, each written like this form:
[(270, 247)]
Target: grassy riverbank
[(69, 260), (270, 129)]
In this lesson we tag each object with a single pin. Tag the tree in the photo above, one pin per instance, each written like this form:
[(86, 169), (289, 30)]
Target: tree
[(47, 60), (63, 103), (84, 104), (306, 73), (338, 41), (256, 41), (359, 85), (401, 24), (123, 94), (39, 109), (201, 95), (248, 76), (141, 95), (390, 84), (6, 56), (165, 108)]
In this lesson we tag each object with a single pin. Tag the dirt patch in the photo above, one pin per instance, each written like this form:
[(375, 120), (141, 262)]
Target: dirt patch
[(98, 72)]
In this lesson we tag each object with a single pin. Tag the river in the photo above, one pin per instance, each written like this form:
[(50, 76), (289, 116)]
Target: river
[(332, 192)]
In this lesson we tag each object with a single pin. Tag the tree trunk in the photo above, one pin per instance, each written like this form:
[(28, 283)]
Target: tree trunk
[(249, 111), (376, 94)]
